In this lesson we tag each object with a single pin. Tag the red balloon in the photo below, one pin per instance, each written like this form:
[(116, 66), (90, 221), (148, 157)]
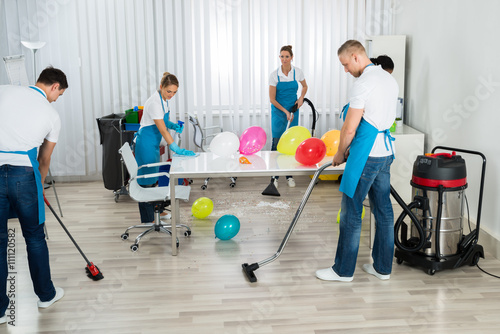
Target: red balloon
[(310, 151)]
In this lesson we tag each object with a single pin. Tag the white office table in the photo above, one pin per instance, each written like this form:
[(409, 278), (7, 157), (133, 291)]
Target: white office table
[(263, 163)]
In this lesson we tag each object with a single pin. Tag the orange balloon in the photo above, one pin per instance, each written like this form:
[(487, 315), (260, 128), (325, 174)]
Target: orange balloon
[(331, 140), (244, 160)]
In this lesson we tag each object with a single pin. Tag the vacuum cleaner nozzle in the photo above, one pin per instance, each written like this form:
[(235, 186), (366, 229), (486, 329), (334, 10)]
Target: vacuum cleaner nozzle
[(271, 190)]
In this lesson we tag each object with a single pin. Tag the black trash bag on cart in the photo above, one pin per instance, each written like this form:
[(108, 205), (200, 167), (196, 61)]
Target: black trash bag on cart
[(113, 136)]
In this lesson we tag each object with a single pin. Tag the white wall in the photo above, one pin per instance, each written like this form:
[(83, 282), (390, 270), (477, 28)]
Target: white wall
[(453, 87)]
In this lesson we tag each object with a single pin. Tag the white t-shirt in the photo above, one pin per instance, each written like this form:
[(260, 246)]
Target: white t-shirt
[(26, 119), (273, 79), (376, 91), (153, 110)]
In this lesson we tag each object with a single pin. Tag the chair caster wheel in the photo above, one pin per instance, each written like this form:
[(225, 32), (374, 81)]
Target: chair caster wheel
[(117, 196), (203, 187), (399, 261), (190, 181), (232, 185), (431, 272), (135, 247), (187, 233), (124, 236), (177, 244)]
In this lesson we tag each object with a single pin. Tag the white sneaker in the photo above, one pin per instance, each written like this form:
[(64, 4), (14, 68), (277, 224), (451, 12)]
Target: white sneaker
[(3, 319), (329, 275), (291, 182), (276, 183), (370, 270), (59, 295), (166, 216)]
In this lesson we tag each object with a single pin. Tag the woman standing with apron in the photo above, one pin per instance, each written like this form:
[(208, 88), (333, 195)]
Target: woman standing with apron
[(154, 125), (283, 87)]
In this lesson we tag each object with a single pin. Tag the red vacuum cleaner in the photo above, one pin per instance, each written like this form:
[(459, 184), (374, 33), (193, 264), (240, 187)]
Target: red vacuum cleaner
[(434, 238), (92, 271)]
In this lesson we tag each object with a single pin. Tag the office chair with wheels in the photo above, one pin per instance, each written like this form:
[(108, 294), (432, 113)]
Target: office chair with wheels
[(200, 139), (159, 196)]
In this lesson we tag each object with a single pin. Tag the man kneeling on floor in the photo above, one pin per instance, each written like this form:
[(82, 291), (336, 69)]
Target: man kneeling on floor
[(366, 144)]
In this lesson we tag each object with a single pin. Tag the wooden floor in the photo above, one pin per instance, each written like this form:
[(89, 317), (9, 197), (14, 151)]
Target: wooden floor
[(203, 289)]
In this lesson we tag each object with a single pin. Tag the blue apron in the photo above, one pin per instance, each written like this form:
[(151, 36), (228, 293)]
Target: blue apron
[(358, 155), (343, 113), (147, 148), (286, 95), (32, 155)]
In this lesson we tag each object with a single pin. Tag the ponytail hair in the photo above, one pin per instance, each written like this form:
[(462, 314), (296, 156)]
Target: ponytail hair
[(169, 79), (385, 61), (287, 48)]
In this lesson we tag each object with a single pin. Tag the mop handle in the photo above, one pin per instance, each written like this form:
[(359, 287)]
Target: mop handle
[(65, 229)]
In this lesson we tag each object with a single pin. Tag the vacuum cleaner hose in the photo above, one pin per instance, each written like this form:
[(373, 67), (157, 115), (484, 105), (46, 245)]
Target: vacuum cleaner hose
[(315, 115), (415, 221)]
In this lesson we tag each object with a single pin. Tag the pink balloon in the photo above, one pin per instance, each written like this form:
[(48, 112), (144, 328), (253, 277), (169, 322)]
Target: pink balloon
[(252, 140)]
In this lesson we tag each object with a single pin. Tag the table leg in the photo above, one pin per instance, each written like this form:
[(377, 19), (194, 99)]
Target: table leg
[(174, 207)]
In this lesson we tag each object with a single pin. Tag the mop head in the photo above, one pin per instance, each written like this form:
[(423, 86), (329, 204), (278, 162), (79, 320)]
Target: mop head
[(93, 272), (271, 190)]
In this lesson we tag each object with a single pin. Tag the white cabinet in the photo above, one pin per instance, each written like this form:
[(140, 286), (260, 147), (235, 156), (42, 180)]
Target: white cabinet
[(409, 144)]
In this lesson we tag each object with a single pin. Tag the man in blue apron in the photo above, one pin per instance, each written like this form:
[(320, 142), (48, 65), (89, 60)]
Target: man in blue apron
[(28, 134), (366, 144), (283, 87)]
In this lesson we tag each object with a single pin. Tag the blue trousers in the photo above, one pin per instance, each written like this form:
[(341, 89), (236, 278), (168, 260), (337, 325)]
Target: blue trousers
[(147, 210), (374, 182), (18, 189)]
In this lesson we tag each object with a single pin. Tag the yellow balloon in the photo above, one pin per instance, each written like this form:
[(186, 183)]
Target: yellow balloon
[(202, 207), (292, 138), (362, 215), (331, 140)]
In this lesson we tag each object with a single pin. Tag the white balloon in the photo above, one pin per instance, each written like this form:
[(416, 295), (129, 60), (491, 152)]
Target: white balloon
[(225, 144)]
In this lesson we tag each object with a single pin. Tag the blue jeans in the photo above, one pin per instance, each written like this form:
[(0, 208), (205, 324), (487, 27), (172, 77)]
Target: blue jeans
[(274, 147), (374, 182), (18, 189)]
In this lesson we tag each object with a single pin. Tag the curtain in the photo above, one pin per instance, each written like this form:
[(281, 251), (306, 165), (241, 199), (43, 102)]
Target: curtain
[(114, 53)]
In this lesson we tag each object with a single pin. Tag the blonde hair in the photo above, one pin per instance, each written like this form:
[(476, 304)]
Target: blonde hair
[(287, 48), (351, 46), (169, 79)]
